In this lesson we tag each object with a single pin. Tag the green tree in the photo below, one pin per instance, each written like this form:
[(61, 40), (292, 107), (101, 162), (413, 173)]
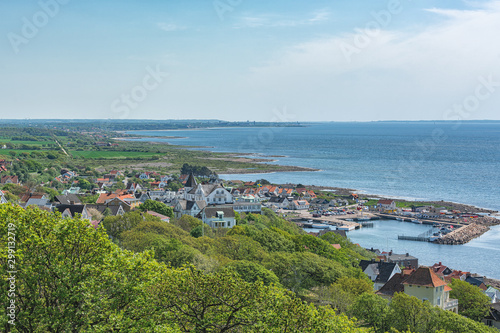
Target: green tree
[(253, 272), (408, 312), (472, 302), (70, 277), (158, 207), (372, 310)]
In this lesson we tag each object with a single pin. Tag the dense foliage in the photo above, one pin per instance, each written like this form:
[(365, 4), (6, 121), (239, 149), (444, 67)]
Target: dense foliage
[(70, 277)]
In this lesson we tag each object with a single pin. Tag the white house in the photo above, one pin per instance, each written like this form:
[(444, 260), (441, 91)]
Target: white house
[(299, 204), (218, 217), (188, 207), (2, 197), (385, 205), (212, 194)]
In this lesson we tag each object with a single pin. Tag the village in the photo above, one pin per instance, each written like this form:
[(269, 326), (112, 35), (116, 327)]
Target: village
[(218, 202)]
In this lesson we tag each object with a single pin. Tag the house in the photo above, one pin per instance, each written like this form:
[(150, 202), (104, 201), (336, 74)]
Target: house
[(112, 209), (386, 205), (403, 260), (218, 217), (456, 275), (68, 199), (247, 204), (2, 197), (279, 202), (40, 202), (423, 284), (143, 176), (160, 216), (70, 211), (105, 198), (133, 187), (9, 180), (188, 207), (378, 271), (71, 190), (300, 205), (493, 294), (213, 194), (477, 281), (441, 270), (320, 203), (493, 318)]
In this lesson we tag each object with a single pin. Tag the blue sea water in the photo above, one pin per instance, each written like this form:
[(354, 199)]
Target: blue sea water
[(451, 161), (457, 162)]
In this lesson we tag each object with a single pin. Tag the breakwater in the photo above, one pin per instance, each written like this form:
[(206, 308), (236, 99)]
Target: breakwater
[(463, 235)]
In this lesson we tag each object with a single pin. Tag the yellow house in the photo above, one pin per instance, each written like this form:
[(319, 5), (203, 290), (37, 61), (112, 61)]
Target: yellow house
[(425, 285)]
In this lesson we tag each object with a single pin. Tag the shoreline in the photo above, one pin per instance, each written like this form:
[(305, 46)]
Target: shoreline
[(240, 157)]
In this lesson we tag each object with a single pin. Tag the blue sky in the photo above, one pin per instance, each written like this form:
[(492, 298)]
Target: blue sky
[(250, 60)]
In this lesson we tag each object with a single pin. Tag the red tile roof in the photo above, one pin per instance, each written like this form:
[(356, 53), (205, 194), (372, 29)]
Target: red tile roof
[(425, 277)]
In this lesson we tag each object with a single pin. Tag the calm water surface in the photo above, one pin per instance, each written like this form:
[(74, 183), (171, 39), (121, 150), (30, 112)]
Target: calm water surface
[(415, 160)]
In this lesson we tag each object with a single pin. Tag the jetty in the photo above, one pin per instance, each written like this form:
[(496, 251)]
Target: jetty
[(424, 221), (463, 235)]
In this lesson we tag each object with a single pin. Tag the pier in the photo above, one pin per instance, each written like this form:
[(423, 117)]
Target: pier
[(424, 221)]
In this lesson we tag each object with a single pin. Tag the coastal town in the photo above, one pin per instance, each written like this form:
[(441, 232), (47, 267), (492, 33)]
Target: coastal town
[(217, 203), (105, 185)]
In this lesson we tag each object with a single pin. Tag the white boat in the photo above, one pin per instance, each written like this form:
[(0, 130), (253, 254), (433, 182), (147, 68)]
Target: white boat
[(416, 221), (346, 227), (363, 218), (400, 219)]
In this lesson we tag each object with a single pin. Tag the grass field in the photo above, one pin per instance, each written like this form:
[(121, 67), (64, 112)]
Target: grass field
[(113, 154), (33, 143)]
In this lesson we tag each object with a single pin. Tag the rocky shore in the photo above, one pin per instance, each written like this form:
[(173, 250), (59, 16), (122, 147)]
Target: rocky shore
[(463, 235)]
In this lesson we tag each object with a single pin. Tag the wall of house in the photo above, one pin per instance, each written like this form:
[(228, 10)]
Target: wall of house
[(425, 293)]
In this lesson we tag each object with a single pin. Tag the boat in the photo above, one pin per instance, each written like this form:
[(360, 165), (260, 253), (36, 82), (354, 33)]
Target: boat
[(363, 218), (346, 227), (435, 237), (416, 221), (400, 219)]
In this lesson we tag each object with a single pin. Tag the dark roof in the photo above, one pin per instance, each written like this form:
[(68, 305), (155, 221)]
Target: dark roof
[(212, 211), (66, 199), (191, 182), (474, 281), (385, 269), (494, 312), (72, 208), (102, 208), (277, 199), (188, 204), (207, 188), (394, 285)]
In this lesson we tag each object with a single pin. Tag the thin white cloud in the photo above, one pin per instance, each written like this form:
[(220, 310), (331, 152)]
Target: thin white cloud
[(169, 27), (273, 20), (398, 75)]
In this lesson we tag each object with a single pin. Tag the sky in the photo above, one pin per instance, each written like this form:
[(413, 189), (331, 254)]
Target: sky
[(241, 60)]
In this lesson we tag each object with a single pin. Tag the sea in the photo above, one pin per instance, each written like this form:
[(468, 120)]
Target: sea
[(425, 160)]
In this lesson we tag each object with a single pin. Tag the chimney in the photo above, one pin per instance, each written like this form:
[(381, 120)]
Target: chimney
[(407, 254), (71, 202), (440, 263), (390, 253)]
